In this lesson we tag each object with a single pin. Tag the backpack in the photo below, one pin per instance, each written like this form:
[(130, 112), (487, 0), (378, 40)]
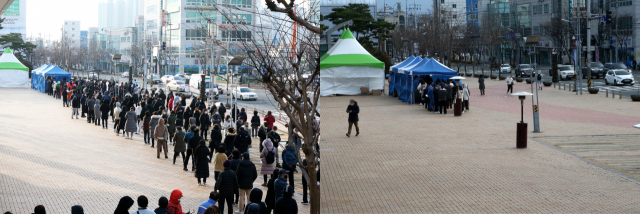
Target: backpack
[(270, 157), (539, 76)]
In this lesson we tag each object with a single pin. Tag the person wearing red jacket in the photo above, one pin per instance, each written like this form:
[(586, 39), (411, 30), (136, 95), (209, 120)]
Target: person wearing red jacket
[(174, 206), (270, 119)]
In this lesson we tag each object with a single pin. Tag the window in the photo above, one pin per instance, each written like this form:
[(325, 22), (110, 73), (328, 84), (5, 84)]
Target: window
[(195, 34), (454, 6), (537, 9), (441, 1), (151, 24), (546, 8), (473, 16), (128, 39), (475, 6), (236, 35), (244, 19), (174, 34), (455, 16), (152, 10), (123, 39), (174, 18), (536, 30), (66, 23), (197, 17)]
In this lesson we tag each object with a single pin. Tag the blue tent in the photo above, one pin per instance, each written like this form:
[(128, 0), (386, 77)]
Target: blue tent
[(37, 78), (402, 64), (433, 67), (56, 72), (33, 76), (412, 63), (407, 85), (394, 78)]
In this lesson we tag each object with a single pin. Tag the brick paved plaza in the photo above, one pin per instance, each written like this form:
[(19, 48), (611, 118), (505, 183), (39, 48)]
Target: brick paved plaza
[(409, 160), (50, 159)]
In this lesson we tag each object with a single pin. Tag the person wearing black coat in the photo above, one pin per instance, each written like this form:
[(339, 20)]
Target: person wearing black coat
[(64, 97), (246, 174), (442, 97), (262, 134), (481, 84), (202, 161), (255, 123), (242, 140), (123, 119), (202, 105), (222, 110), (186, 115), (228, 141), (286, 204), (83, 102), (192, 145), (75, 105), (270, 199), (216, 140), (179, 116), (205, 123), (104, 110), (353, 109), (226, 185), (255, 197), (196, 114)]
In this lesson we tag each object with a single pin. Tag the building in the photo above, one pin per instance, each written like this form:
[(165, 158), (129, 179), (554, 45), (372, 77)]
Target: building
[(114, 14), (71, 30), (15, 19), (5, 4), (84, 40)]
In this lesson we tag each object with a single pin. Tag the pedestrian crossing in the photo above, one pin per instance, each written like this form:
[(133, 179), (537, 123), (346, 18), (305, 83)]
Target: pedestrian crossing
[(603, 87)]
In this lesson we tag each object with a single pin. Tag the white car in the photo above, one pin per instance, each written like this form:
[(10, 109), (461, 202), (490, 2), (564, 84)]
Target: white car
[(566, 72), (178, 86), (505, 69), (124, 74), (245, 93), (618, 77), (166, 78)]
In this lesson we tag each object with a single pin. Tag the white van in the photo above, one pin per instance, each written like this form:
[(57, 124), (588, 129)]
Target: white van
[(194, 86)]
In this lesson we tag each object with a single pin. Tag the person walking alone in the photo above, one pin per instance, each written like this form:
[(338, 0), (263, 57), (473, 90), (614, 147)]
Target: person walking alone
[(353, 109), (481, 84), (509, 84), (539, 79)]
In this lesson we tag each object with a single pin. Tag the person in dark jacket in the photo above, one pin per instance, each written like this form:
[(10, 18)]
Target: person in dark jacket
[(163, 202), (216, 140), (280, 183), (83, 102), (286, 204), (123, 120), (202, 161), (228, 141), (270, 199), (262, 133), (442, 97), (255, 124), (179, 146), (64, 97), (481, 84), (188, 113), (191, 148), (75, 105), (222, 110), (205, 123), (289, 161), (255, 197), (242, 140), (104, 110), (90, 105), (449, 88), (179, 116), (77, 209), (226, 185), (235, 162), (247, 174), (124, 205), (353, 109), (243, 114)]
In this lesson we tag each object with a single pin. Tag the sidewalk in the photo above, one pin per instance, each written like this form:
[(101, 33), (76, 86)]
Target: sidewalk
[(409, 160)]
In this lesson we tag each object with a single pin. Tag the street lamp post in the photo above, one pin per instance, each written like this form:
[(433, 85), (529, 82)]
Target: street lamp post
[(521, 133)]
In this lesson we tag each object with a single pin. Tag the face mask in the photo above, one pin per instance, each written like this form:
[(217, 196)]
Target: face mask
[(179, 199)]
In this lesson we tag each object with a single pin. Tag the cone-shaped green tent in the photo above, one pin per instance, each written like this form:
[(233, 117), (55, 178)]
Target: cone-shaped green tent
[(347, 66), (12, 72)]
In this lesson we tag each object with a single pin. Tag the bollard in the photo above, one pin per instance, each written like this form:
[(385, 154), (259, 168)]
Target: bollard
[(620, 95), (607, 92), (613, 94)]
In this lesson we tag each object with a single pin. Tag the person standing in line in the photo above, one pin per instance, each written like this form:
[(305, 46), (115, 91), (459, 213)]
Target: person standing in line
[(116, 116), (186, 115), (353, 110), (96, 112), (255, 204), (123, 121), (216, 119), (205, 123), (243, 114), (449, 88), (131, 123), (145, 127), (242, 140), (267, 158), (247, 174), (174, 206), (64, 97), (83, 102), (124, 205), (262, 134), (179, 120), (255, 124), (286, 204), (139, 115), (213, 198), (216, 140), (201, 154), (104, 111), (270, 119), (188, 136), (442, 96), (227, 124), (75, 105), (280, 183), (172, 124), (270, 199), (179, 146), (191, 148), (222, 110), (143, 202), (161, 134), (289, 161), (509, 84), (39, 210), (481, 84), (152, 126), (218, 161), (226, 185), (163, 203)]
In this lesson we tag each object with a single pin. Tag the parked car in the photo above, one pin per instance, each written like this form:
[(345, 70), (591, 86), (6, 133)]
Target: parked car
[(524, 70), (505, 69), (245, 93), (176, 78), (618, 77), (566, 71), (124, 74), (597, 70), (166, 79), (616, 66)]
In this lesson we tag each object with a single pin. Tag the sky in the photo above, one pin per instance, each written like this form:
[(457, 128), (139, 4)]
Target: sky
[(425, 5), (48, 16)]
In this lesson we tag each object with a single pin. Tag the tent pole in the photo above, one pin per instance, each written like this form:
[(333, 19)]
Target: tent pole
[(411, 101)]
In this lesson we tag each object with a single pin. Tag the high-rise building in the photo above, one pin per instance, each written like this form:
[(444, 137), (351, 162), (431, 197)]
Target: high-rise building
[(71, 30), (84, 40), (15, 19), (114, 14)]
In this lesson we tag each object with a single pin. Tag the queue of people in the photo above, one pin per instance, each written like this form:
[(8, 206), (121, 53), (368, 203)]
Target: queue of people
[(167, 119), (441, 95)]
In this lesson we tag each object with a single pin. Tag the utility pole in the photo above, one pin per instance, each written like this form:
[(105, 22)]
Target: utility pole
[(588, 39)]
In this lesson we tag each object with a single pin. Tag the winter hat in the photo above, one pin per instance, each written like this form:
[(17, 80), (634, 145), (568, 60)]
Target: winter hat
[(226, 164), (253, 208), (245, 154), (283, 171)]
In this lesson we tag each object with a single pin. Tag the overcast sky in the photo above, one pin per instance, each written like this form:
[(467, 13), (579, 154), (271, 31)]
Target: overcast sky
[(47, 16)]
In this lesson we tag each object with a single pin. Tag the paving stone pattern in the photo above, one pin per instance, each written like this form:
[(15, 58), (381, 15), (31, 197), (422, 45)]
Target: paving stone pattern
[(50, 159)]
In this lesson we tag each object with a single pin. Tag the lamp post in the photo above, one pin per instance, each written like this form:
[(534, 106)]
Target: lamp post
[(521, 133)]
